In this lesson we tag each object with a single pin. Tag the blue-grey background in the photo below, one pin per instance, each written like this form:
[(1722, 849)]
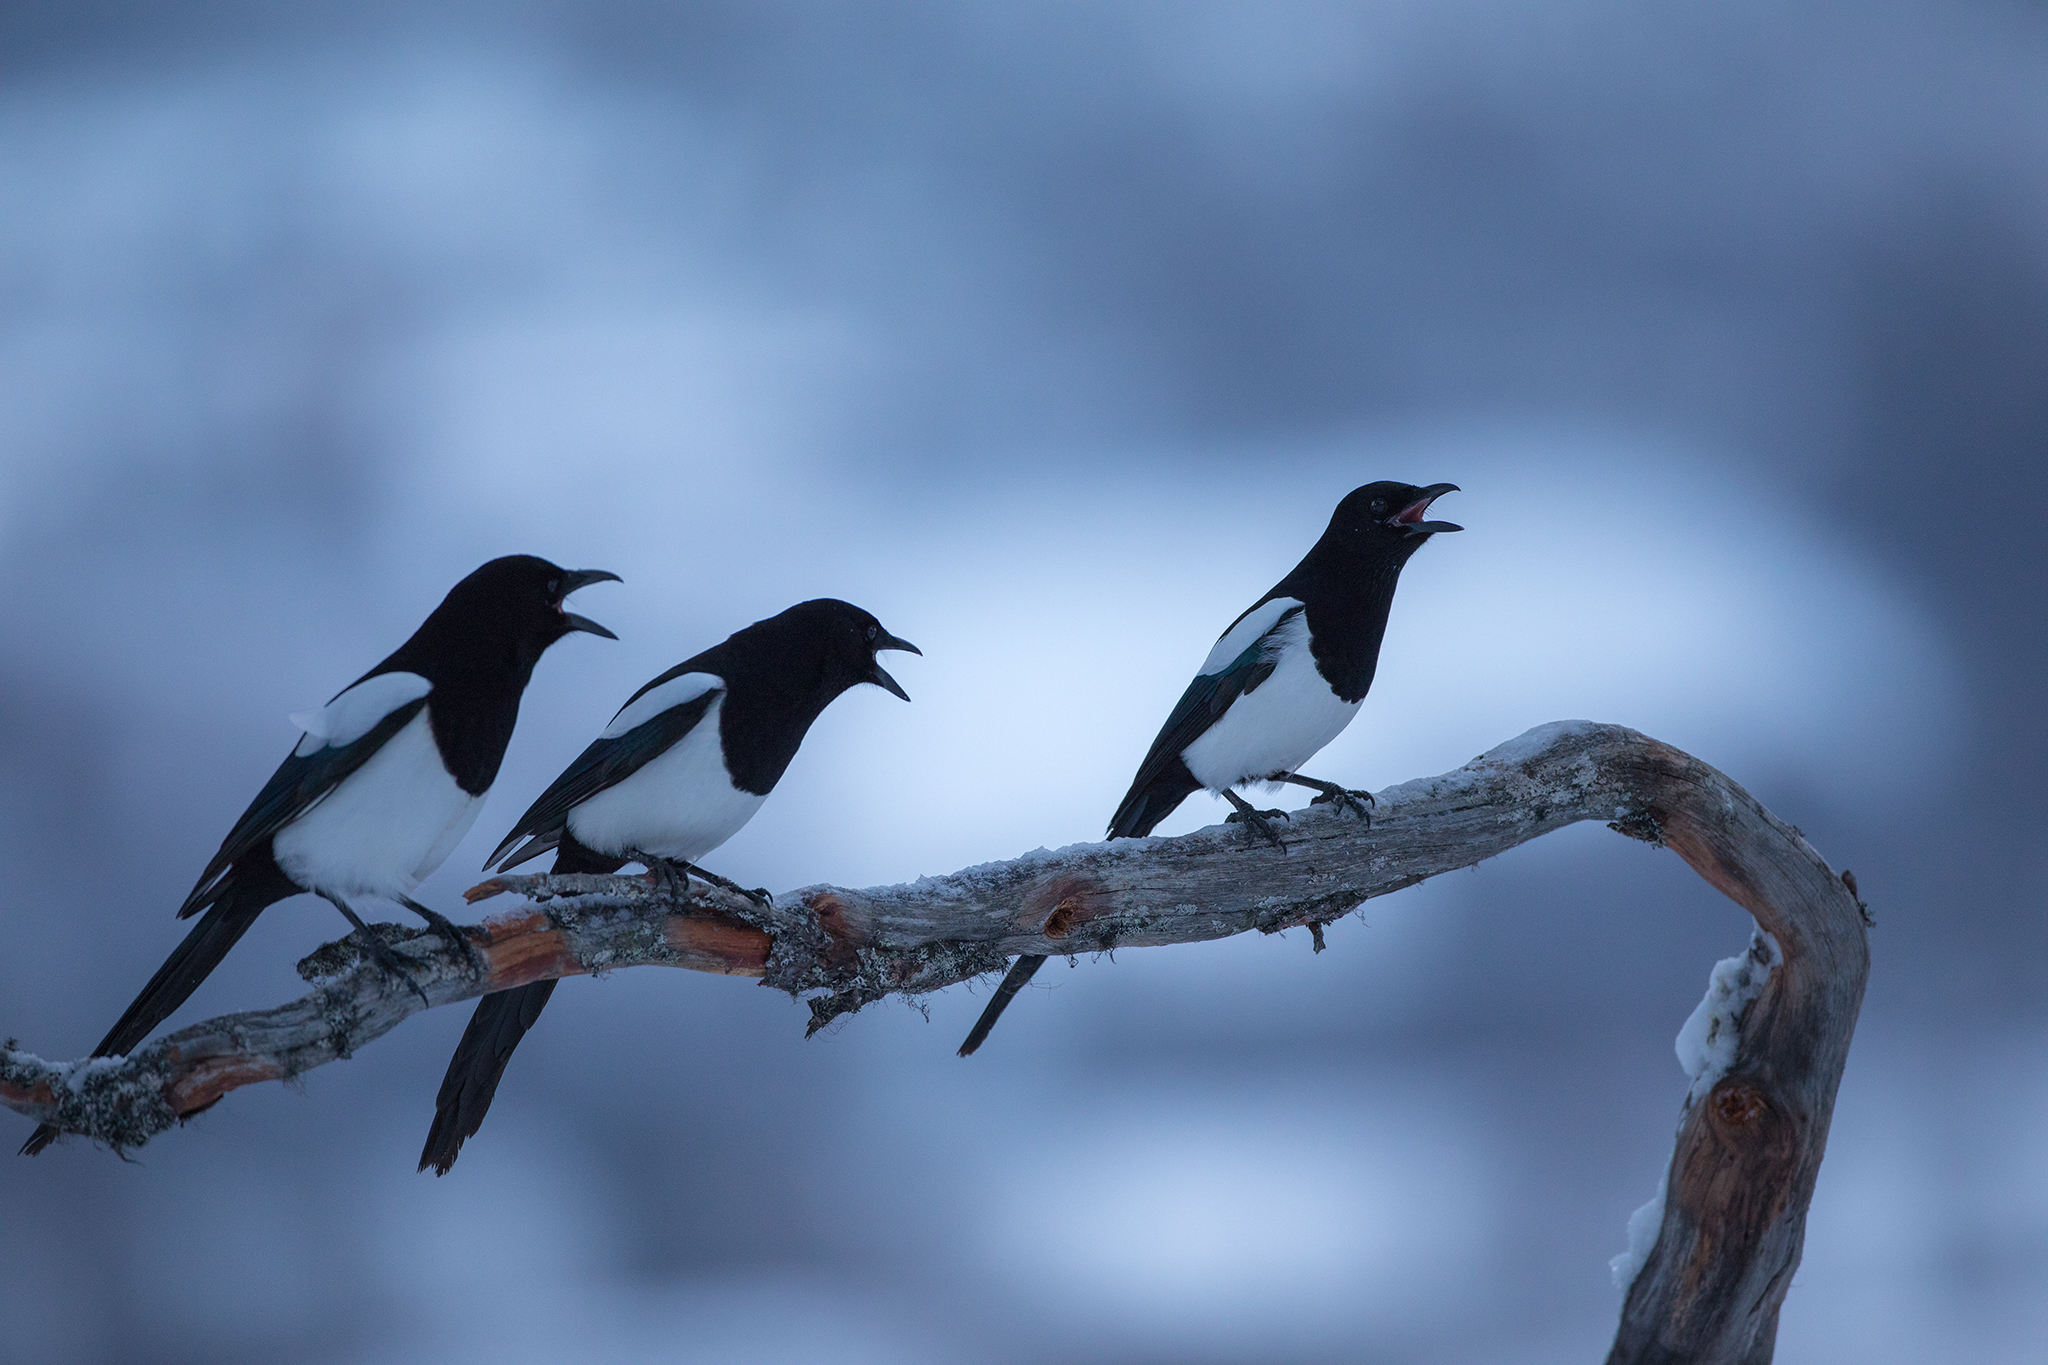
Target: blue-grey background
[(1050, 333)]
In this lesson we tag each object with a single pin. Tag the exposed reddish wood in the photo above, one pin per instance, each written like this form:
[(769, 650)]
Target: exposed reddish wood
[(836, 953), (1062, 905), (718, 944), (214, 1077), (524, 947)]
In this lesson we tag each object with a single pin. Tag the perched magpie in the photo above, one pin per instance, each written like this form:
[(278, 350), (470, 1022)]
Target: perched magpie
[(386, 780), (1282, 682), (684, 764)]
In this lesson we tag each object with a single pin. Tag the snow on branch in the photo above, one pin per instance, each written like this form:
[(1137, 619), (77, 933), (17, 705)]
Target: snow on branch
[(1771, 1046)]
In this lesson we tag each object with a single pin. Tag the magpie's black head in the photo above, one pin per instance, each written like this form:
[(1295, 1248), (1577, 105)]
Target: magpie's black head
[(847, 640), (1387, 518), (519, 600)]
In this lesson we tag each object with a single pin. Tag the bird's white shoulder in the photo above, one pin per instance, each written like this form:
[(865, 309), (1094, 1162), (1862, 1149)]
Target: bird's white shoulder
[(1246, 632), (356, 712), (651, 703)]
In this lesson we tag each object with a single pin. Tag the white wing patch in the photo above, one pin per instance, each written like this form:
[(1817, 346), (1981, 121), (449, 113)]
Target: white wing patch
[(387, 825), (356, 712), (1240, 637), (679, 804), (1277, 728), (653, 702)]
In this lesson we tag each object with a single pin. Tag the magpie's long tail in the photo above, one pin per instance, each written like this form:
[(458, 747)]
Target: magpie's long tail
[(502, 1018), (1021, 972), (1147, 803), (245, 893), (1150, 801)]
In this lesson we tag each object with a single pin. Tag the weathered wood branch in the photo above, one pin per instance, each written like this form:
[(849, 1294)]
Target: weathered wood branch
[(1748, 1149)]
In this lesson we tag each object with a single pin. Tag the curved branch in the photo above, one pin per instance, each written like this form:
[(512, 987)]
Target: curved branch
[(1747, 1152)]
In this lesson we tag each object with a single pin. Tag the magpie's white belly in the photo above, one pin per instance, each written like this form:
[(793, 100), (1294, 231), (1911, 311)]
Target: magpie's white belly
[(1276, 728), (387, 826), (680, 804)]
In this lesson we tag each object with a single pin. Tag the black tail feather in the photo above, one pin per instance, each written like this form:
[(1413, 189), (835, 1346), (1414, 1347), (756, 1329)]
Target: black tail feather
[(1143, 807), (237, 900), (1020, 975), (502, 1018)]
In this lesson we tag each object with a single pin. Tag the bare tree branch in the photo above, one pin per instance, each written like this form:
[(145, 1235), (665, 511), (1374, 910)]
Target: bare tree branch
[(1747, 1154)]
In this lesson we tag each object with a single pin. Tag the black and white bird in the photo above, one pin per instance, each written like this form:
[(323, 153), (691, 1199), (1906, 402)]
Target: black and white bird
[(1280, 683), (684, 764), (383, 784)]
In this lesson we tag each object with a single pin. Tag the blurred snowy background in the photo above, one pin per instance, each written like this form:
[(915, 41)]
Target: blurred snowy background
[(1051, 334)]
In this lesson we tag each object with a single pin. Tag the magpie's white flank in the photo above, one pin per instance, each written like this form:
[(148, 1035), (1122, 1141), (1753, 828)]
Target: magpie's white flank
[(1280, 683), (683, 765), (383, 784)]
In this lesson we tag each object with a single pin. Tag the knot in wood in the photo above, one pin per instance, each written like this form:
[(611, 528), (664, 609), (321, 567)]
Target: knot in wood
[(1063, 916), (1063, 905), (1739, 1105)]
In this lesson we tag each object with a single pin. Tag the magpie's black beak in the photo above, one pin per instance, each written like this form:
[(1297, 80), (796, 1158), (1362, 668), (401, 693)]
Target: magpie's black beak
[(1410, 518), (879, 676), (583, 578)]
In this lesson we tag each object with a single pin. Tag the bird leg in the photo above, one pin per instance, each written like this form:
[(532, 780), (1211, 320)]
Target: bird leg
[(759, 895), (668, 874), (376, 947), (456, 936), (668, 879), (1344, 798), (1259, 820)]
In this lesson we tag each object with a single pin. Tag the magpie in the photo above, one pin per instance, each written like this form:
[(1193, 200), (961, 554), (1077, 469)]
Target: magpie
[(681, 768), (1280, 683), (382, 785)]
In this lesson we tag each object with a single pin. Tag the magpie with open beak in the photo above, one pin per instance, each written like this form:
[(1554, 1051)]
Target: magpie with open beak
[(1280, 683), (383, 783), (681, 768)]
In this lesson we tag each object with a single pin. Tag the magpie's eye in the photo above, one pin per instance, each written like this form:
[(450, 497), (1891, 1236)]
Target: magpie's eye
[(1379, 507), (872, 631), (554, 587)]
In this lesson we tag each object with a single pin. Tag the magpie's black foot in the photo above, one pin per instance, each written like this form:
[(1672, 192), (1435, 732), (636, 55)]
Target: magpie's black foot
[(380, 953), (667, 878), (375, 947), (454, 934), (1329, 793), (758, 895), (1345, 799), (1260, 820)]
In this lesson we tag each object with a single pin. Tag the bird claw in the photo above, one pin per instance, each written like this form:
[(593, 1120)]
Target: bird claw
[(1345, 799), (1329, 793), (454, 935), (374, 947), (759, 895), (380, 952), (1260, 821), (668, 876), (667, 880)]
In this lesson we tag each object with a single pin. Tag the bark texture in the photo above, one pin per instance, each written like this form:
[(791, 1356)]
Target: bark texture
[(1747, 1152)]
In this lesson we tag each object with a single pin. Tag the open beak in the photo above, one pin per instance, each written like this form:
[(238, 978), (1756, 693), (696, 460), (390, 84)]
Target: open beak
[(1410, 518), (879, 676), (583, 578)]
